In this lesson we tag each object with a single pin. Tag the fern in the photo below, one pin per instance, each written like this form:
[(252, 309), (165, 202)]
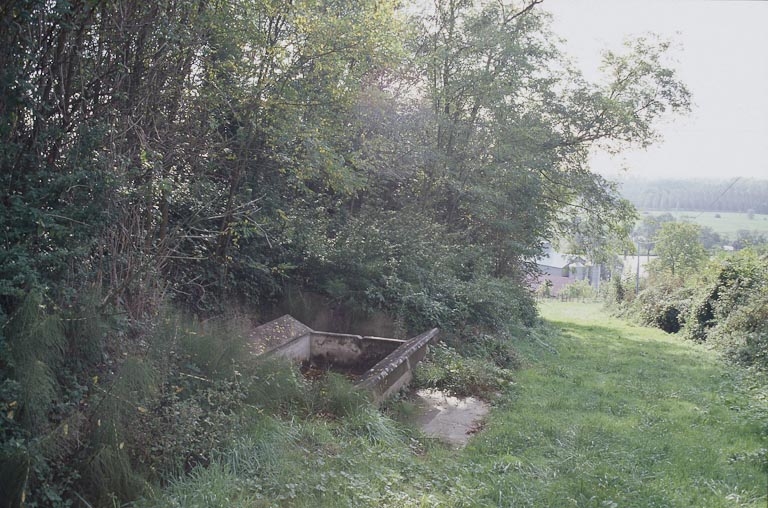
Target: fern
[(111, 475), (36, 344), (38, 391), (129, 395), (14, 471)]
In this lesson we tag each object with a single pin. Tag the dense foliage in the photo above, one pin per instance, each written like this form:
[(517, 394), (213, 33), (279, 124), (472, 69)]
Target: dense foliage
[(722, 303), (209, 153)]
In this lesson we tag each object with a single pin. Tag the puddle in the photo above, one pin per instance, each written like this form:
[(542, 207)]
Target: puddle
[(451, 419)]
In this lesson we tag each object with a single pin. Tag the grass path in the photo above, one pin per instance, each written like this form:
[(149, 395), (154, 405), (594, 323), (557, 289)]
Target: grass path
[(615, 415)]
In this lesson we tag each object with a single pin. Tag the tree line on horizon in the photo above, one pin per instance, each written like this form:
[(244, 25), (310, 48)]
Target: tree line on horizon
[(741, 195)]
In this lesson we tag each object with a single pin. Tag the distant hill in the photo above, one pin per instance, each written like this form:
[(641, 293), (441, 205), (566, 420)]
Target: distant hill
[(734, 195)]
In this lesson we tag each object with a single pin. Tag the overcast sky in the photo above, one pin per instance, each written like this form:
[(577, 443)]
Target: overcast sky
[(723, 58)]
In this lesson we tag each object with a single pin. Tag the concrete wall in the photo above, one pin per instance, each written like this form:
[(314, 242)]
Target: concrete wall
[(388, 363), (278, 332), (347, 351), (396, 370), (297, 349), (339, 349)]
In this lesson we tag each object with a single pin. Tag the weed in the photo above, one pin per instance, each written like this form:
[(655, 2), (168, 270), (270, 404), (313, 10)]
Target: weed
[(336, 395), (446, 369)]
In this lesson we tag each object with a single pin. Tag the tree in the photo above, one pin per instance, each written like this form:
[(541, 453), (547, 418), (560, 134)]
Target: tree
[(710, 239), (679, 249), (511, 135)]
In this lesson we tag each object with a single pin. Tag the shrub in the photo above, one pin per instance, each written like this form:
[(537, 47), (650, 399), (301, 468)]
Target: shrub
[(411, 268), (726, 285), (446, 369), (743, 335), (621, 294), (496, 348), (193, 419), (578, 290), (617, 291), (663, 307)]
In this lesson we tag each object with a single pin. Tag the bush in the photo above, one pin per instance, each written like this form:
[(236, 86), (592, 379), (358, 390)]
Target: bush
[(181, 431), (617, 291), (409, 267), (446, 369), (743, 335), (91, 412), (497, 348), (726, 285), (578, 290), (620, 294), (727, 306), (663, 307)]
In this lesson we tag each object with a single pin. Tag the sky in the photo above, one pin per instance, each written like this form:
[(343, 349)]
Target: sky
[(721, 48)]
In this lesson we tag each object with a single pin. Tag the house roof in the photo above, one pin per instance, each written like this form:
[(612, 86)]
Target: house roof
[(555, 259)]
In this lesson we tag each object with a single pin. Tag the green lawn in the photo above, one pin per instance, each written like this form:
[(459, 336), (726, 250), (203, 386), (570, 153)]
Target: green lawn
[(728, 223), (603, 415), (625, 416)]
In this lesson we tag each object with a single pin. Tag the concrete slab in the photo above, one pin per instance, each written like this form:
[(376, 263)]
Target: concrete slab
[(277, 333), (451, 419)]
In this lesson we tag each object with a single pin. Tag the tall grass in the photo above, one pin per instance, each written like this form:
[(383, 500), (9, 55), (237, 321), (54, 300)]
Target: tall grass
[(37, 344), (218, 346)]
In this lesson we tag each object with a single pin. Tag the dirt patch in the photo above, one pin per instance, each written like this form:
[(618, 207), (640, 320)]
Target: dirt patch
[(451, 419)]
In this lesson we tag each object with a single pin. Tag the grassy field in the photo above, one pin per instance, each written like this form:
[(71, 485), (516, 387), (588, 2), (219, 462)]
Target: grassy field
[(617, 415), (604, 414), (726, 223)]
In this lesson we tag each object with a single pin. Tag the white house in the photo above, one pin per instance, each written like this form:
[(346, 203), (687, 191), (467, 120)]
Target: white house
[(560, 269)]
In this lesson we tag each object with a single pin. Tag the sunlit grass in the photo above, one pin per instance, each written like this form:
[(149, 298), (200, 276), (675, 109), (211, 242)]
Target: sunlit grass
[(623, 416)]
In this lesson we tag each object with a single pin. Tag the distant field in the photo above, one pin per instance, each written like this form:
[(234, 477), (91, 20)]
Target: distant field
[(725, 223)]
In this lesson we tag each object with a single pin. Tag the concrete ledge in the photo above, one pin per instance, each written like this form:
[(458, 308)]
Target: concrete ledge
[(298, 349), (396, 370), (276, 333)]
